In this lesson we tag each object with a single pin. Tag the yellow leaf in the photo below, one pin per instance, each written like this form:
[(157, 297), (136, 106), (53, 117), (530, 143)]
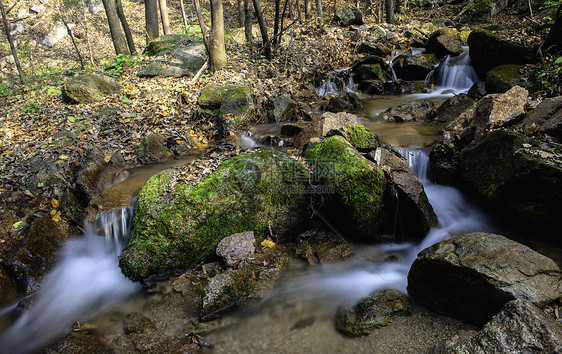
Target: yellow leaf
[(192, 133), (124, 120), (7, 152), (268, 243), (56, 217), (107, 158), (179, 142), (63, 157), (54, 203), (163, 113)]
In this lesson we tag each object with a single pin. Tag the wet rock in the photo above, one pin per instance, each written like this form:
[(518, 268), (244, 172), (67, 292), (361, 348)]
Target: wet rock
[(505, 52), (370, 72), (176, 223), (285, 109), (481, 12), (328, 124), (502, 78), (79, 343), (236, 247), (8, 289), (413, 206), (137, 323), (349, 16), (346, 103), (414, 67), (370, 48), (368, 59), (361, 139), (238, 287), (234, 105), (292, 129), (546, 117), (474, 275), (495, 109), (519, 176), (519, 327), (152, 149), (356, 206), (176, 55), (478, 90), (323, 248), (442, 44), (411, 111), (451, 109), (371, 87), (89, 88), (374, 311), (92, 166)]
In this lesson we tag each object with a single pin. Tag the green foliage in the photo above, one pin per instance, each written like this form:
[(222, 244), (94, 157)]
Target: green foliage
[(31, 107), (478, 5), (548, 77), (121, 63), (550, 4), (191, 30)]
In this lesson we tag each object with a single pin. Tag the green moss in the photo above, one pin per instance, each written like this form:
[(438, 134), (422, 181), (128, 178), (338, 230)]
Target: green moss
[(176, 225), (503, 77), (169, 42), (359, 184), (361, 138)]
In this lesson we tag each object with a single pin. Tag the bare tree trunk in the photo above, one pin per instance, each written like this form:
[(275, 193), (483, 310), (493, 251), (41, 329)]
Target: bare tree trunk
[(217, 50), (12, 46), (263, 29), (307, 9), (202, 24), (389, 11), (69, 31), (183, 16), (276, 21), (126, 28), (290, 14), (248, 22), (298, 9), (335, 8), (117, 35), (164, 16), (241, 14), (319, 10), (86, 33), (151, 18)]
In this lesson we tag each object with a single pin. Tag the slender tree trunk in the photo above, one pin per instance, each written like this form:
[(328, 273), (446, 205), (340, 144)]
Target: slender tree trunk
[(125, 25), (164, 16), (241, 14), (217, 50), (151, 18), (290, 13), (389, 11), (12, 46), (202, 25), (307, 9), (183, 16), (263, 29), (87, 35), (276, 20), (69, 31), (335, 8), (319, 10), (298, 9), (248, 22), (117, 35), (283, 18)]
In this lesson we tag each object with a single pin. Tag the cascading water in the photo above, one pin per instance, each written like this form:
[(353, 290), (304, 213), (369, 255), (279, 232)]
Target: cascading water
[(86, 282), (346, 283), (456, 72), (337, 85)]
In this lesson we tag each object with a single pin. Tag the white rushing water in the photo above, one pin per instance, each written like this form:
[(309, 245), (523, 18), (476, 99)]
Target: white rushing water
[(86, 282), (456, 73), (350, 281)]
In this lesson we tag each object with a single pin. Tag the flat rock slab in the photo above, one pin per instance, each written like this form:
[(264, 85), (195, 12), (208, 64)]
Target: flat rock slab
[(474, 275)]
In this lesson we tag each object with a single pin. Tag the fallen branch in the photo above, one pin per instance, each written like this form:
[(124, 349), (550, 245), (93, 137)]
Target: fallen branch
[(199, 73)]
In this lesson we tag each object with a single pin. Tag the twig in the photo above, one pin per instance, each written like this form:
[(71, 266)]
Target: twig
[(71, 37), (199, 73)]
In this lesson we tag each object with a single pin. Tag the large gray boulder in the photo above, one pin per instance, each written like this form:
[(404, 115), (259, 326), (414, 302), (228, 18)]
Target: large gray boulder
[(450, 110), (474, 275), (408, 112), (546, 117), (520, 327), (326, 125), (175, 56), (414, 67), (233, 105), (88, 88), (442, 44)]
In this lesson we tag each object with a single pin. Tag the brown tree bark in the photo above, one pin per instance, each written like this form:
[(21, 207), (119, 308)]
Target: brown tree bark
[(125, 24), (115, 29), (151, 18), (389, 5), (164, 16), (319, 11), (307, 9), (202, 25), (241, 14), (217, 50), (248, 22), (263, 29), (12, 46), (183, 16)]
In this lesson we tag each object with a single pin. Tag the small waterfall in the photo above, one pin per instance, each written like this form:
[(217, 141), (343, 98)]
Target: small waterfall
[(456, 72), (86, 282), (347, 282), (390, 62), (342, 82)]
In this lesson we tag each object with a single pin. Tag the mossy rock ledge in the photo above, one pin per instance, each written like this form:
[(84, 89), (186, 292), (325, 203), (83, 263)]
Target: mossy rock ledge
[(356, 206), (89, 88), (176, 224)]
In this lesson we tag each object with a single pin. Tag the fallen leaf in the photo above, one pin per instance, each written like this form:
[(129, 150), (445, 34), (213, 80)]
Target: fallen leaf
[(268, 243), (124, 120), (107, 158), (20, 224), (54, 203), (64, 157), (56, 217)]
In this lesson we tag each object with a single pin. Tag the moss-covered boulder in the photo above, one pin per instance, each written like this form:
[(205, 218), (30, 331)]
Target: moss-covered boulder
[(346, 103), (361, 138), (176, 224), (414, 67), (371, 72), (442, 43), (488, 50), (232, 105), (356, 206), (88, 88), (502, 78), (175, 55), (520, 177), (374, 311), (349, 16)]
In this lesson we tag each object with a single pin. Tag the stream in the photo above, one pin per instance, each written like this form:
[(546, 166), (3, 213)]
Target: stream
[(88, 281)]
